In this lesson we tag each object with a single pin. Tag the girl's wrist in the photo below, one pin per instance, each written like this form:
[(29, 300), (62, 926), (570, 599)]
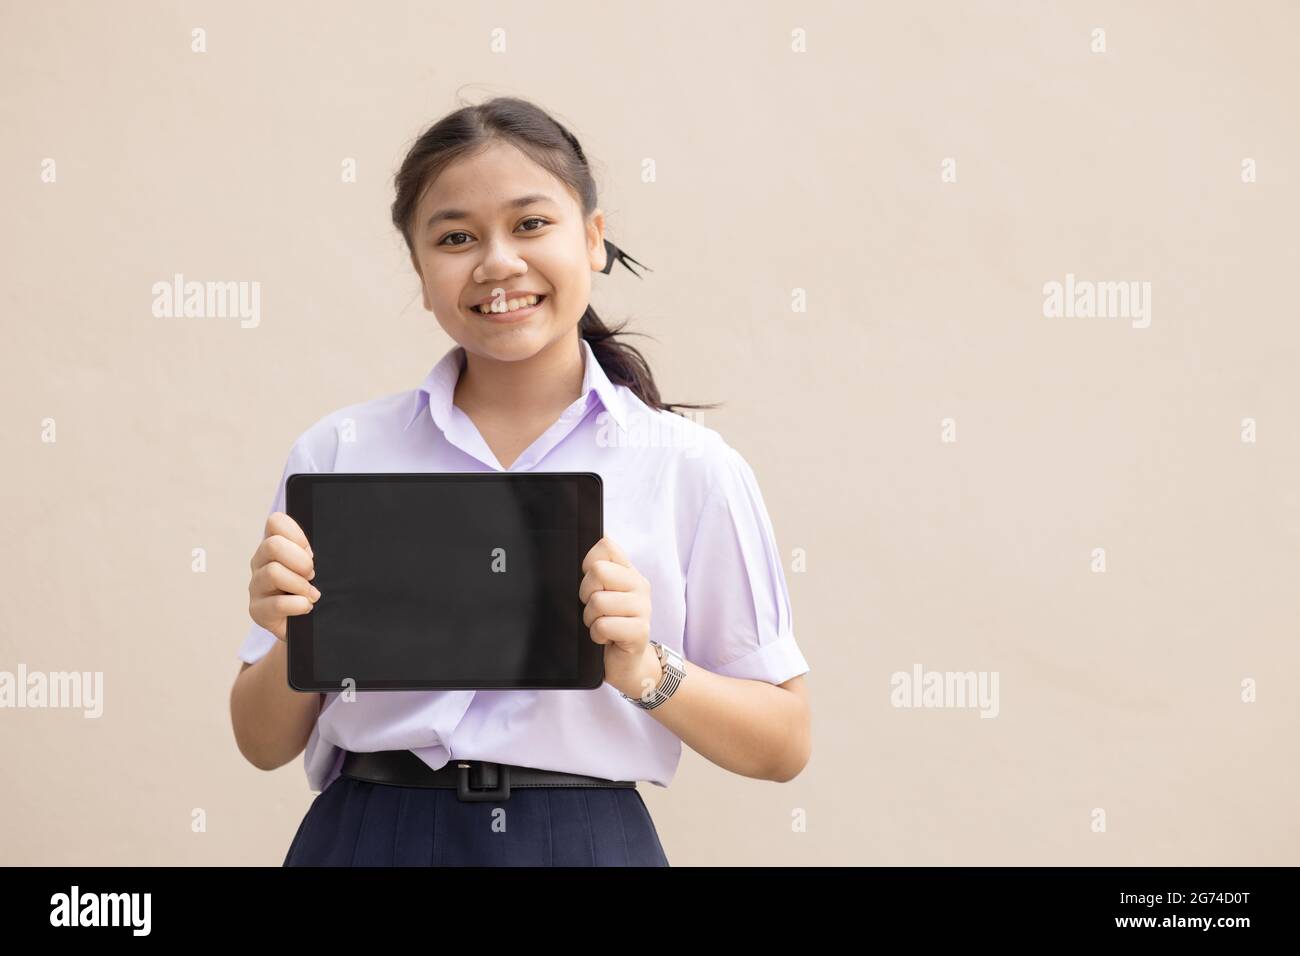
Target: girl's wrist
[(651, 674)]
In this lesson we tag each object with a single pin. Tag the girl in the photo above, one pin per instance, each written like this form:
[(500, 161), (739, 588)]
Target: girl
[(498, 209)]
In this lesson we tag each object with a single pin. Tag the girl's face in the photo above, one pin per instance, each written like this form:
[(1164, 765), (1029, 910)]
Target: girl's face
[(498, 223)]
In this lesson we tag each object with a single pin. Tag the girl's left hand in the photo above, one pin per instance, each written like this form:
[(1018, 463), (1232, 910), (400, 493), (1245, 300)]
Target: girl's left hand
[(617, 599)]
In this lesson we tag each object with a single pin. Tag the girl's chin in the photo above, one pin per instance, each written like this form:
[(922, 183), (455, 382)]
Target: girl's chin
[(512, 344)]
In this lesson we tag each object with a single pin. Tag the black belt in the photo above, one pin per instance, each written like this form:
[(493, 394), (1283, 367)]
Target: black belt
[(473, 780)]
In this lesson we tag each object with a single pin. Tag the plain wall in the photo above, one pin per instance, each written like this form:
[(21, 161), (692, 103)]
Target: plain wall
[(775, 171)]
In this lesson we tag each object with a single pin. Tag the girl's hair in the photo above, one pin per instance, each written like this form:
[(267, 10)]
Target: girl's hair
[(539, 136)]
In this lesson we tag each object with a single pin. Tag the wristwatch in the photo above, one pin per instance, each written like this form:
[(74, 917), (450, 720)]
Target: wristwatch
[(674, 673)]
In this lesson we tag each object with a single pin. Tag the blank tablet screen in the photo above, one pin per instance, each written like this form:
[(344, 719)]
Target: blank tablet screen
[(446, 580)]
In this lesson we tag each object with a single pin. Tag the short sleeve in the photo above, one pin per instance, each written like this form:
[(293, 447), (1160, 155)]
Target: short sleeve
[(738, 617), (259, 639)]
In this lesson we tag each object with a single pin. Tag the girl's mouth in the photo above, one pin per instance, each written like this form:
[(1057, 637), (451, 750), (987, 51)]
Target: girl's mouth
[(513, 315)]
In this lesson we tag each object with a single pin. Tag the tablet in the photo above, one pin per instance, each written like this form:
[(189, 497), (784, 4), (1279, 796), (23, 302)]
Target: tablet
[(432, 581)]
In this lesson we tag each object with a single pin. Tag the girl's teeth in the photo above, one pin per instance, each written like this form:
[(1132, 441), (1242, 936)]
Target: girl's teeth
[(510, 306)]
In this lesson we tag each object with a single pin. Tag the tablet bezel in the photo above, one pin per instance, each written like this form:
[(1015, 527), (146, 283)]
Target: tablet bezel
[(298, 503)]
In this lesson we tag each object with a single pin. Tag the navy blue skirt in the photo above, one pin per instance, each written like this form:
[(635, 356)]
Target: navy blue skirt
[(359, 823)]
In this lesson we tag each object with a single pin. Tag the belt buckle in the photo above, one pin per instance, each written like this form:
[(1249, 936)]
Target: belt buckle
[(482, 794)]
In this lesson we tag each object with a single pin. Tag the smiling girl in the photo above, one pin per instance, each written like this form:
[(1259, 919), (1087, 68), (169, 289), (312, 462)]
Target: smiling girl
[(686, 591)]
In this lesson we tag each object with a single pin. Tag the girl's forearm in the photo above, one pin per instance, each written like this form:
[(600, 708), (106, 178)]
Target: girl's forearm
[(272, 721), (750, 727)]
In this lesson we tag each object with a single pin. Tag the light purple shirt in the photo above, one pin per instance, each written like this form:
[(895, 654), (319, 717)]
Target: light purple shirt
[(682, 504)]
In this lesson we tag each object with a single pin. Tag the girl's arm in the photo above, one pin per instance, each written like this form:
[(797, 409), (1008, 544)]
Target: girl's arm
[(749, 727), (272, 721)]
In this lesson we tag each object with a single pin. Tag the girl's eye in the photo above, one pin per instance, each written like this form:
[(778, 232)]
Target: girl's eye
[(444, 242)]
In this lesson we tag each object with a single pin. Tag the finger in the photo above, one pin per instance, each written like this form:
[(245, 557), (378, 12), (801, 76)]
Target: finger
[(608, 576), (620, 630), (613, 604), (279, 523), (606, 549), (276, 606), (275, 578), (291, 555)]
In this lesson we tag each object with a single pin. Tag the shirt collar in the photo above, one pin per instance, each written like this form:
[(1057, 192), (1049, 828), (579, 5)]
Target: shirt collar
[(439, 388)]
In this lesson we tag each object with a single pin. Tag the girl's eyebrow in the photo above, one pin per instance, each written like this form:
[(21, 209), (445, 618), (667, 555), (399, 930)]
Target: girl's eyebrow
[(519, 203)]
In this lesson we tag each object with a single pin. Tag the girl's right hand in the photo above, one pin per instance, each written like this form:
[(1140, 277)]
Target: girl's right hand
[(283, 565)]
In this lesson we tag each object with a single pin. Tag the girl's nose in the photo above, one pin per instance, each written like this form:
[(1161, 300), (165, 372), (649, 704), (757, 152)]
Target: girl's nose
[(499, 256)]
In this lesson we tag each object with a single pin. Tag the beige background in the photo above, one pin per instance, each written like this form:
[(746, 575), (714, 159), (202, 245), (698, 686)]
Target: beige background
[(776, 171)]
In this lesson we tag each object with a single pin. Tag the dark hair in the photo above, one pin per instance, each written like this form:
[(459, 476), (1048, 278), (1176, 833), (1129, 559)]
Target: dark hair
[(544, 140)]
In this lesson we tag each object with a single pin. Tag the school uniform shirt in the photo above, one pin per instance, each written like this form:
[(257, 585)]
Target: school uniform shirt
[(682, 504)]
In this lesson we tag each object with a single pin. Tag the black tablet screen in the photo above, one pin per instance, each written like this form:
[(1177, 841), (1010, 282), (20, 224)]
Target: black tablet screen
[(472, 581)]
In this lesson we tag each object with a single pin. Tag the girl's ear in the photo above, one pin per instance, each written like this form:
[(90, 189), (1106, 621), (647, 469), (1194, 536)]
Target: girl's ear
[(597, 254)]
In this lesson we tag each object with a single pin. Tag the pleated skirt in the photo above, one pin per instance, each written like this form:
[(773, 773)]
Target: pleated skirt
[(359, 823)]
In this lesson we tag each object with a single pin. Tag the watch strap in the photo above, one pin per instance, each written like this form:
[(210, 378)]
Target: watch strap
[(673, 674)]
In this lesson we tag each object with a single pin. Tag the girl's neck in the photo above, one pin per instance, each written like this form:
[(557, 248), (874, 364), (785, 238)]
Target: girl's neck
[(541, 386)]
